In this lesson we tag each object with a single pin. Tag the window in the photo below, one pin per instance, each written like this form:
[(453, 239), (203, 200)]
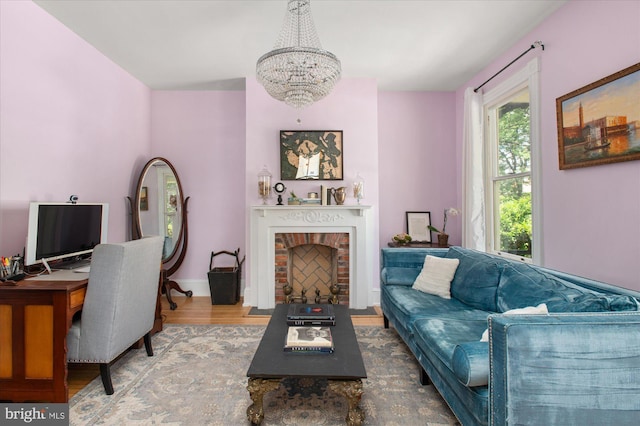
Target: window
[(511, 150)]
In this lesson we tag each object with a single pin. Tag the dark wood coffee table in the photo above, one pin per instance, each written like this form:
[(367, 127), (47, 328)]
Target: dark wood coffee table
[(343, 369)]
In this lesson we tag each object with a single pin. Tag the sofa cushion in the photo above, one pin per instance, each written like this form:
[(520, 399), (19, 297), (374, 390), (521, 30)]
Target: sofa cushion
[(522, 285), (400, 275), (442, 335), (471, 363), (409, 304), (594, 302), (476, 279), (619, 302), (529, 310), (470, 404), (436, 275)]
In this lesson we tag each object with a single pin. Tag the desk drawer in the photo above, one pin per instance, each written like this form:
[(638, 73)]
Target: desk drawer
[(76, 298)]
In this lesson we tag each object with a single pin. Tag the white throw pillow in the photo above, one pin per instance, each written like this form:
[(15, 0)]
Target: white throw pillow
[(529, 310), (436, 275)]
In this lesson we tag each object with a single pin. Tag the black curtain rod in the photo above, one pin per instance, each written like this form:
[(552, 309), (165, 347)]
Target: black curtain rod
[(533, 46)]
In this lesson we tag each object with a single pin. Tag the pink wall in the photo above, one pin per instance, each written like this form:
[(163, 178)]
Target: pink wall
[(72, 122), (351, 107), (590, 215), (417, 156), (202, 135)]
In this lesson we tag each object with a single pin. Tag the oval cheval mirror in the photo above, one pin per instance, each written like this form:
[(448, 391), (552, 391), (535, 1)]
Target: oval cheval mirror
[(159, 208)]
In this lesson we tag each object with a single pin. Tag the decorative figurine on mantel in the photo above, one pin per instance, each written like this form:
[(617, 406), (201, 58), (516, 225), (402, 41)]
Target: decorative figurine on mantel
[(293, 199)]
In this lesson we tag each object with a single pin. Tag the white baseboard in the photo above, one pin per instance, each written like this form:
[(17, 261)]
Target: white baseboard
[(201, 288), (374, 297), (198, 287)]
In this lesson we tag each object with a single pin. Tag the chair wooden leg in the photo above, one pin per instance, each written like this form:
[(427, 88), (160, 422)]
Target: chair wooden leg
[(147, 344), (105, 373)]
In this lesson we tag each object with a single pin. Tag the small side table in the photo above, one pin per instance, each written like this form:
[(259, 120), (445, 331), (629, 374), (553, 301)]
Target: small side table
[(417, 245)]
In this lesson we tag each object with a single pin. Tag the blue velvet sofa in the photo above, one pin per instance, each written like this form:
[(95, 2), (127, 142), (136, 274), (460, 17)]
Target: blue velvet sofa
[(577, 365)]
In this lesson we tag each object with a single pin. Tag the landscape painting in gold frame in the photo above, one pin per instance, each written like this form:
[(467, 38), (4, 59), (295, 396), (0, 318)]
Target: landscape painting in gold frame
[(600, 123)]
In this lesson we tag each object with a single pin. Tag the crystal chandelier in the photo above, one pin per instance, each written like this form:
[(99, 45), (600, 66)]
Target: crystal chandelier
[(298, 71)]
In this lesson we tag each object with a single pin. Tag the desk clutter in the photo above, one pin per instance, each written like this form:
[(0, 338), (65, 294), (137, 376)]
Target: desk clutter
[(11, 269)]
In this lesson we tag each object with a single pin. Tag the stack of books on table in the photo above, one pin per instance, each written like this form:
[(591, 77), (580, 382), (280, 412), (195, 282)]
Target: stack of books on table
[(309, 340), (311, 315), (309, 328)]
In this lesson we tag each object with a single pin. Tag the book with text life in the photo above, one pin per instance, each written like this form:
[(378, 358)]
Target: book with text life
[(309, 339), (312, 322)]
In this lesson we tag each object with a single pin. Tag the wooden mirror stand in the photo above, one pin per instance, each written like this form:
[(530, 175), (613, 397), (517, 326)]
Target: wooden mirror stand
[(159, 208)]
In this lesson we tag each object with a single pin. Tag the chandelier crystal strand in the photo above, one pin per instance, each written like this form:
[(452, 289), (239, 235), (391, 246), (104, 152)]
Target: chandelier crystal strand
[(298, 71)]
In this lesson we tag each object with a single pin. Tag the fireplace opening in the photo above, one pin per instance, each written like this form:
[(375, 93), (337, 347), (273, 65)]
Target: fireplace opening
[(310, 264)]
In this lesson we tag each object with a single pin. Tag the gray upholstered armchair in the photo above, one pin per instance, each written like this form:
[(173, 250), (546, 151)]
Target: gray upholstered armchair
[(119, 306)]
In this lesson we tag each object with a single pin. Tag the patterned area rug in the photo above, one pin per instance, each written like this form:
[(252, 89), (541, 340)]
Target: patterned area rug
[(198, 377)]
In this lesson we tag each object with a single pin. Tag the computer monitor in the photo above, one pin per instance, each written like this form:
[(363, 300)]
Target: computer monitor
[(64, 230)]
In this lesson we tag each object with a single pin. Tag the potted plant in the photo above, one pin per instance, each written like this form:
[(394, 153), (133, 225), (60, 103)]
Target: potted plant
[(402, 239), (293, 199), (443, 238)]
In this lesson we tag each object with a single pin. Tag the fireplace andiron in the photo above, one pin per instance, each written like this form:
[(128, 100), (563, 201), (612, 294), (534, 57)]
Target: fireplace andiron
[(289, 297)]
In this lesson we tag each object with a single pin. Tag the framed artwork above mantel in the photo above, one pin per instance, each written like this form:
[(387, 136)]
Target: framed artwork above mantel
[(311, 155)]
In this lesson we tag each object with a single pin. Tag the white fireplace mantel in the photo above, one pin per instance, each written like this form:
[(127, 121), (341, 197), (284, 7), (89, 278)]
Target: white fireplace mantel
[(267, 221)]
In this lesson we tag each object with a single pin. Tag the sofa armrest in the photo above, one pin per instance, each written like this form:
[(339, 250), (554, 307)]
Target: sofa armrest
[(401, 266), (470, 362), (564, 368)]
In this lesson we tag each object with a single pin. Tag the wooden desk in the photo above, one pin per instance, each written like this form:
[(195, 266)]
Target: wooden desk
[(35, 317)]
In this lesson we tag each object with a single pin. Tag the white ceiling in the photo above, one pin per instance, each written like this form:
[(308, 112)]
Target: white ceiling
[(406, 45)]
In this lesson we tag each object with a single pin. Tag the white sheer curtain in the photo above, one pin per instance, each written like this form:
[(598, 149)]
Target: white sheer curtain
[(473, 212)]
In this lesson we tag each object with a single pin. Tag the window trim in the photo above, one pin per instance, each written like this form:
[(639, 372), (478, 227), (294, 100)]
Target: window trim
[(528, 76)]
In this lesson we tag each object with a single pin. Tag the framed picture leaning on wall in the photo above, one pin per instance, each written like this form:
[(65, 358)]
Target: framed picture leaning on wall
[(418, 226)]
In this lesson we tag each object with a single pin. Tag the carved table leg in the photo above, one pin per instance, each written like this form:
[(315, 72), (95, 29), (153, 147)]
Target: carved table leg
[(257, 388), (352, 390)]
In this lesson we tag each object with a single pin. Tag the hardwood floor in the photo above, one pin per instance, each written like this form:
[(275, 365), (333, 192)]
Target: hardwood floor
[(196, 310)]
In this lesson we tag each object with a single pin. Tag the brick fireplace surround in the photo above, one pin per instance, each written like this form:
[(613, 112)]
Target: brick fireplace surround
[(334, 270), (312, 222)]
